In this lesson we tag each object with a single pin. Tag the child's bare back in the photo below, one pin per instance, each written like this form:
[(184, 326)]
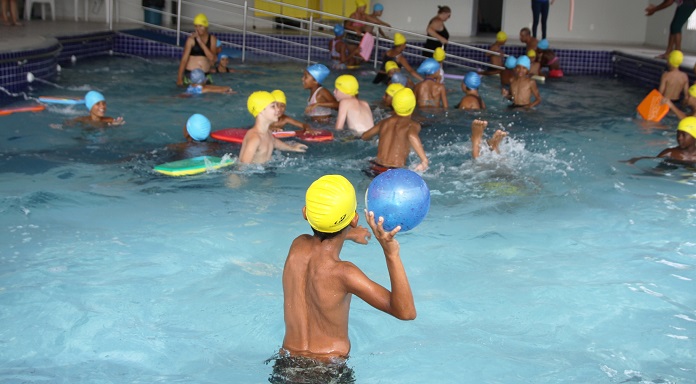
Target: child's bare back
[(430, 93)]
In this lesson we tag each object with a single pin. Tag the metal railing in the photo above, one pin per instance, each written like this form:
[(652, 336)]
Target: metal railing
[(239, 17)]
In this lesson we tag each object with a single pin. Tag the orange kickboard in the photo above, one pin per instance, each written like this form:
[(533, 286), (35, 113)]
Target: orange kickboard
[(651, 108)]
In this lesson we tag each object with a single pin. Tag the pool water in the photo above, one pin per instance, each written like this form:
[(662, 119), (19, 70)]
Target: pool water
[(553, 262)]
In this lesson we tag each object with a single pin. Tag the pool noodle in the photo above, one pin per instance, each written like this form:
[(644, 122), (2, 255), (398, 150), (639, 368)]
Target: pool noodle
[(454, 77), (570, 17)]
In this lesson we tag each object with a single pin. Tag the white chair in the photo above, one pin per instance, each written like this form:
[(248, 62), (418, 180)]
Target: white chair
[(28, 5)]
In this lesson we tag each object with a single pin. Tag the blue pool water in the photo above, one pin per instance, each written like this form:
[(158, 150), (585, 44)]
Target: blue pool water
[(553, 262)]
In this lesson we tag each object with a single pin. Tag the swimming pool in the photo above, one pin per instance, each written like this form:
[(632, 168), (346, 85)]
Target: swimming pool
[(551, 263)]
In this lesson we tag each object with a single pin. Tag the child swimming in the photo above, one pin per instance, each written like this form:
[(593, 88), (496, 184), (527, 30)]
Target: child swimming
[(284, 119), (674, 82), (96, 105), (430, 92), (471, 100), (198, 85), (497, 46), (523, 88), (259, 143), (321, 102)]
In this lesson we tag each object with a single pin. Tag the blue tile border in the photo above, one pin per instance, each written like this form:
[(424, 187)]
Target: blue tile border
[(14, 66)]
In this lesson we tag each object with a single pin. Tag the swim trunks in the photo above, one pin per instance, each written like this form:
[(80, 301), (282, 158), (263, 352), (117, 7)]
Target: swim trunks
[(375, 169), (298, 369)]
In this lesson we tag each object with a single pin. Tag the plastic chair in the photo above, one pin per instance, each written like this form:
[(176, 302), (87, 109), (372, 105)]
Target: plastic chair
[(28, 5)]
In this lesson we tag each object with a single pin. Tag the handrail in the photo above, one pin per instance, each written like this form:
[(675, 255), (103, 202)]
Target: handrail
[(247, 12)]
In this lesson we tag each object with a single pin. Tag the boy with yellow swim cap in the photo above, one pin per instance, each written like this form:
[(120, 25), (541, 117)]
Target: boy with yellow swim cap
[(497, 57), (259, 143), (284, 119), (318, 285), (685, 151), (200, 50), (398, 134), (674, 82), (352, 112)]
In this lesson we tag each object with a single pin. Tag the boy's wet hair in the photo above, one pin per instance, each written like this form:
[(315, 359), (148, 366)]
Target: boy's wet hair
[(327, 236)]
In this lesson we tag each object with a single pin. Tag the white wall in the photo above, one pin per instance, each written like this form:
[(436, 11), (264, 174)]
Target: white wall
[(603, 21), (615, 21)]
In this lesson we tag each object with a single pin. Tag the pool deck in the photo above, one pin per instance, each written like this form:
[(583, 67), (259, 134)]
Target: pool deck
[(35, 33)]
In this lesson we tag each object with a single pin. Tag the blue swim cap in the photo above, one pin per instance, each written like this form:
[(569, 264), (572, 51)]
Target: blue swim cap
[(219, 43), (197, 76), (91, 98), (339, 30), (510, 62), (429, 66), (543, 44), (399, 78), (378, 7), (318, 72), (524, 61), (198, 127), (223, 56), (472, 80)]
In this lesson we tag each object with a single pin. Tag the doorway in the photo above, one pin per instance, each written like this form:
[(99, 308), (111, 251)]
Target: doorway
[(489, 17)]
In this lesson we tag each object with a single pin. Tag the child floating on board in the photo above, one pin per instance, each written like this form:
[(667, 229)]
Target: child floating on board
[(352, 112), (259, 143)]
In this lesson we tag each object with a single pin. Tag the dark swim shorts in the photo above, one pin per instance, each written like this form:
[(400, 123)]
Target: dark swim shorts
[(297, 369)]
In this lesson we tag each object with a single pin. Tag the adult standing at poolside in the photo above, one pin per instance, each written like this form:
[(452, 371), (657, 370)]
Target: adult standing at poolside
[(540, 8), (436, 31), (684, 10), (200, 50)]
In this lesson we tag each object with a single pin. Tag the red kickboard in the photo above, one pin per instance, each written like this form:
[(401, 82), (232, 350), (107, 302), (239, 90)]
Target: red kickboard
[(651, 108), (236, 135)]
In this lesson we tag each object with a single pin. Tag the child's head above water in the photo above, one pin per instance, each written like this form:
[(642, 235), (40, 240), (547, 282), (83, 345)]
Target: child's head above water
[(347, 84), (404, 102), (93, 98), (258, 101), (330, 204), (472, 80), (318, 71), (675, 58), (281, 101), (198, 127), (429, 67)]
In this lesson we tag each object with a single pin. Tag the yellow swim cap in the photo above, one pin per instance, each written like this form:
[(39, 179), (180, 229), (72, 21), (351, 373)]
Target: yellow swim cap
[(279, 96), (360, 3), (399, 39), (390, 65), (675, 58), (200, 19), (531, 53), (688, 125), (330, 203), (501, 36), (393, 88), (404, 102), (692, 90), (258, 101), (347, 84), (439, 54)]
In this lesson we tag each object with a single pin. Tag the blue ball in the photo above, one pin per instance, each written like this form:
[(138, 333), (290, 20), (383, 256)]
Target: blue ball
[(400, 196)]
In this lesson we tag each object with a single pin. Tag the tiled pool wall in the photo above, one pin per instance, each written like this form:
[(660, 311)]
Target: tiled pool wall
[(43, 63)]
